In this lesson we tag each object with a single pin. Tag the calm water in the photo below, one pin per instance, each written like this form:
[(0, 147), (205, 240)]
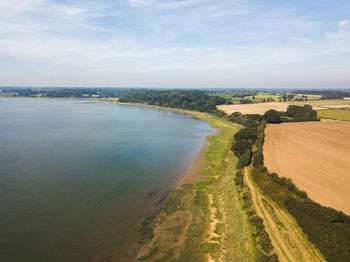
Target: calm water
[(77, 180)]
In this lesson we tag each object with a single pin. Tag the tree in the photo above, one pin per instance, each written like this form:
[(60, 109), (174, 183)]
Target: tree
[(246, 134), (272, 116), (241, 147)]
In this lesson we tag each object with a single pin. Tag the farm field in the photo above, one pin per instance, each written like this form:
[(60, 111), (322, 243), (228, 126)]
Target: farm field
[(339, 114), (258, 108), (261, 108), (315, 155)]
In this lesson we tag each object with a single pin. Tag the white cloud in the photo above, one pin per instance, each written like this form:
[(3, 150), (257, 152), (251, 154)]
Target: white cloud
[(139, 3), (172, 4), (344, 23), (160, 43)]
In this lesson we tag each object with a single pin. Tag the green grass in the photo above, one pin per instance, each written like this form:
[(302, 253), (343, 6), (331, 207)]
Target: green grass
[(8, 94), (221, 169), (218, 185), (323, 103), (339, 114), (174, 201), (233, 226)]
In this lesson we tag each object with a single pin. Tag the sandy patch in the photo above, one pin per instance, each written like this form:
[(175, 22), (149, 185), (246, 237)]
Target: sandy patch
[(316, 156), (212, 225)]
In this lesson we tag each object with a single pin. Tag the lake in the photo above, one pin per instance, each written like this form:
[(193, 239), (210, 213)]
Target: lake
[(77, 180)]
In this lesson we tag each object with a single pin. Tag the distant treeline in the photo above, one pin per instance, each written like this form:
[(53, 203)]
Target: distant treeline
[(241, 93), (68, 92), (191, 100), (327, 228), (85, 92), (325, 94)]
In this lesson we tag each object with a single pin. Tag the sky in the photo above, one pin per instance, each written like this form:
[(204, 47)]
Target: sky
[(175, 44)]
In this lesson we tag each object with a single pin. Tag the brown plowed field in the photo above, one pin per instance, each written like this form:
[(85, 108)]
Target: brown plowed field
[(316, 156)]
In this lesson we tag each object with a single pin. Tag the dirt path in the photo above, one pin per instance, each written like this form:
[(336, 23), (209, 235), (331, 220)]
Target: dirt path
[(290, 243), (213, 221)]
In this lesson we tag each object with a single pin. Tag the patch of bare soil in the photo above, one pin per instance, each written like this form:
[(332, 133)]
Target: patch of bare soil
[(212, 225), (316, 156)]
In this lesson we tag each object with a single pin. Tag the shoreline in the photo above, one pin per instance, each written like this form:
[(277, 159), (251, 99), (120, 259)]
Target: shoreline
[(191, 176)]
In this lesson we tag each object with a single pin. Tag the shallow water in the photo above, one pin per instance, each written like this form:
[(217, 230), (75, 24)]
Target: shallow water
[(77, 180)]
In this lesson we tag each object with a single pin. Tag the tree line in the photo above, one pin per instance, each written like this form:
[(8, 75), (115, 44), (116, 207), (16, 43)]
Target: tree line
[(68, 92), (326, 94), (189, 100), (293, 114)]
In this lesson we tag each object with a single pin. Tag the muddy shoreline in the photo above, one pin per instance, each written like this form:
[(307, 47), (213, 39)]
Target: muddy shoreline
[(191, 176)]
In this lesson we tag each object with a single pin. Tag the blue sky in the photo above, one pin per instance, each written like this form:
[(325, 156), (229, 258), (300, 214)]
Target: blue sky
[(175, 44)]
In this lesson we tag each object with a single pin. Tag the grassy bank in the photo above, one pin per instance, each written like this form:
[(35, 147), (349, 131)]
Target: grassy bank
[(203, 221), (338, 114)]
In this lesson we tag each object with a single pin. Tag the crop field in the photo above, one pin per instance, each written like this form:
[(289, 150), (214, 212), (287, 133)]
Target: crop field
[(324, 104), (315, 155), (339, 114), (261, 108), (258, 108)]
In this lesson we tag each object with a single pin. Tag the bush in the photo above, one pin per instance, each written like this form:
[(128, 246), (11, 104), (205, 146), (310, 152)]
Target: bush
[(265, 242), (247, 133), (301, 113), (258, 159), (244, 160), (239, 179), (327, 228)]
